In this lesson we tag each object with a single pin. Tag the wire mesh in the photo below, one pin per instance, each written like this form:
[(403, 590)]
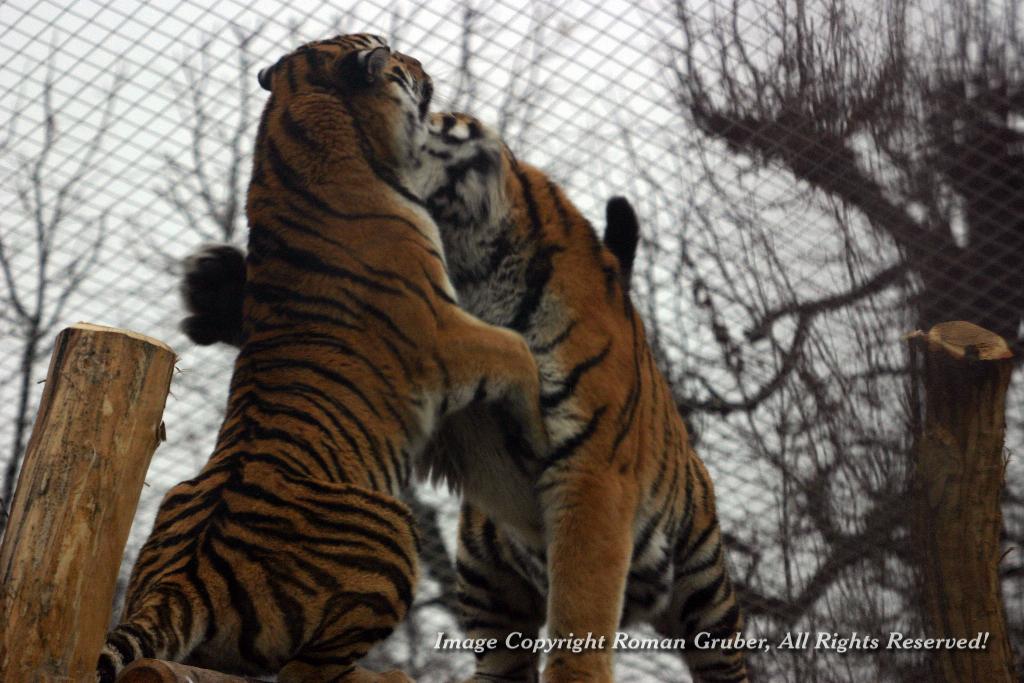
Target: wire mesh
[(799, 212)]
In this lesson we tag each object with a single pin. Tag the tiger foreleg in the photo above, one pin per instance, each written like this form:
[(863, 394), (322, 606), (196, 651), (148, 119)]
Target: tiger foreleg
[(496, 605), (485, 363), (589, 530)]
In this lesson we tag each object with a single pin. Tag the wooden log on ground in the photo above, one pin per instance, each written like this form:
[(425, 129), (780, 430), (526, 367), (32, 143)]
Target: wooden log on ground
[(99, 422), (956, 517), (158, 671)]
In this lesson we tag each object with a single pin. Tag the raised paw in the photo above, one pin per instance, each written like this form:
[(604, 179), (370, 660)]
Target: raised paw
[(212, 289)]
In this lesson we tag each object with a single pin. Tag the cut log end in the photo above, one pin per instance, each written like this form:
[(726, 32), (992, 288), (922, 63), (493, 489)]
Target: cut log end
[(963, 341), (90, 327)]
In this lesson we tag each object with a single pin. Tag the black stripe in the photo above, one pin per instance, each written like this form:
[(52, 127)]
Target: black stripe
[(288, 219), (333, 473), (301, 388), (264, 524), (308, 261), (259, 432), (538, 272), (296, 364), (570, 445), (555, 342), (568, 385), (698, 601), (119, 642), (298, 132), (563, 214), (628, 412), (371, 564), (292, 180), (249, 623), (330, 492)]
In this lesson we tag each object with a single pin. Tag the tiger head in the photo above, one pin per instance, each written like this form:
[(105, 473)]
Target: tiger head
[(343, 96), (462, 178)]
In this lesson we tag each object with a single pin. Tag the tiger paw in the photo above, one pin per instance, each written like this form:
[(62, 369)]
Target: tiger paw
[(212, 289)]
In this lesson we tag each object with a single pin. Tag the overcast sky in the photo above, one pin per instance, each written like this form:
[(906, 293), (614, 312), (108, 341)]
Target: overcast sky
[(579, 88)]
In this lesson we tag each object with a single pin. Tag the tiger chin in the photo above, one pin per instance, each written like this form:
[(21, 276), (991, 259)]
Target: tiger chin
[(290, 552)]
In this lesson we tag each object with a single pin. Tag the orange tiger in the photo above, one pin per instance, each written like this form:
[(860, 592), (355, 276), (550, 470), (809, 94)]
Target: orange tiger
[(290, 552), (616, 522)]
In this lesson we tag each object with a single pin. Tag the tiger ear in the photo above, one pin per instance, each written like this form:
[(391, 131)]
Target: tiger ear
[(264, 77), (372, 62)]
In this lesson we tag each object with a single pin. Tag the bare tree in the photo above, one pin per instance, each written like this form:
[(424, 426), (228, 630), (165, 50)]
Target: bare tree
[(888, 130), (35, 299), (943, 156), (207, 189), (217, 96)]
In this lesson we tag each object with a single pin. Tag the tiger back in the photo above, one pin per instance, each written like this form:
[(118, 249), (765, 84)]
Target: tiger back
[(289, 552)]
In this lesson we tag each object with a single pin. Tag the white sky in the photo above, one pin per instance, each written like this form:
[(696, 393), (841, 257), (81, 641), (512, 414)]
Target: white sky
[(604, 77)]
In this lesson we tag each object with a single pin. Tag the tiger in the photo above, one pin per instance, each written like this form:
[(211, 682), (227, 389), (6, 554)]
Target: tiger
[(213, 279), (616, 522), (290, 552)]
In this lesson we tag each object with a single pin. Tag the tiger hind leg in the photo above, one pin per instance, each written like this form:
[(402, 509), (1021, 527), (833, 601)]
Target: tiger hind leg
[(351, 624), (495, 601), (298, 572), (704, 601)]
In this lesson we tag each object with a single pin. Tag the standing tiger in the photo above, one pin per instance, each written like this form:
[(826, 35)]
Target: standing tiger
[(289, 552), (616, 522)]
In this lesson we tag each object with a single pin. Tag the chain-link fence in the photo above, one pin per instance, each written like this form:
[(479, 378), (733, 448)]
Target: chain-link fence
[(813, 179)]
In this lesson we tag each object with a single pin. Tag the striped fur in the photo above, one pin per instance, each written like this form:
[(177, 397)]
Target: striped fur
[(615, 523), (214, 278), (290, 552)]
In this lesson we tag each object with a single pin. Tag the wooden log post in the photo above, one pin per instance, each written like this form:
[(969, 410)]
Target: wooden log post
[(158, 671), (958, 481), (99, 422)]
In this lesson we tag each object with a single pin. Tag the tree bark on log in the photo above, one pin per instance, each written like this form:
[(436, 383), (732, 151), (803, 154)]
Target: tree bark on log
[(99, 422), (958, 480), (158, 671)]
